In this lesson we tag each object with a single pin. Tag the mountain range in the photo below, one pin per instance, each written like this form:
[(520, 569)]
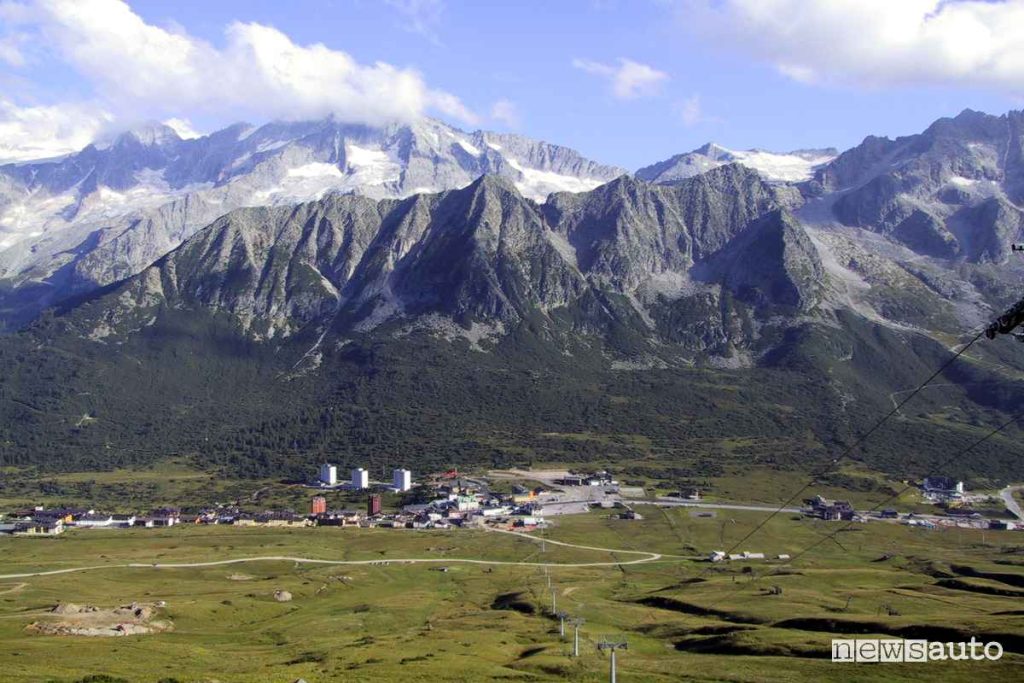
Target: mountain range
[(257, 297), (88, 219)]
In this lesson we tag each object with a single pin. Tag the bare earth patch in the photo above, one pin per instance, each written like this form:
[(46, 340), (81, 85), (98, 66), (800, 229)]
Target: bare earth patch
[(68, 619)]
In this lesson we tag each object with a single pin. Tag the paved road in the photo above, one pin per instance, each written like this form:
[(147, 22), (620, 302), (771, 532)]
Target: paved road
[(670, 502), (646, 557), (1011, 503), (577, 506)]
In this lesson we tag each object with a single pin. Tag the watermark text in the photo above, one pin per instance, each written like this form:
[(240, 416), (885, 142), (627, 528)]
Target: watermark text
[(899, 650)]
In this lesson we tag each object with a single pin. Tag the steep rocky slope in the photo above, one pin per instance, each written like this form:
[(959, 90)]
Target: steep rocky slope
[(103, 214), (486, 255), (465, 323), (951, 192)]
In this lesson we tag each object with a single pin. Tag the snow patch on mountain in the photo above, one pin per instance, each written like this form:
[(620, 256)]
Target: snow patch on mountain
[(271, 145), (785, 167), (960, 181), (370, 166), (140, 193), (423, 190), (245, 132), (789, 167), (30, 217), (315, 170), (469, 148), (537, 185)]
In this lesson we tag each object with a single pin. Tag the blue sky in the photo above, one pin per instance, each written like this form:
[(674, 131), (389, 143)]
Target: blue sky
[(627, 83)]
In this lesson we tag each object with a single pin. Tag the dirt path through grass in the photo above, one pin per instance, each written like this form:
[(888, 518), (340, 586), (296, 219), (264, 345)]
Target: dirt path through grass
[(647, 557)]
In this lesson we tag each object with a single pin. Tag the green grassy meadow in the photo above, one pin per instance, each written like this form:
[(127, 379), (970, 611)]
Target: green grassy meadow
[(684, 619)]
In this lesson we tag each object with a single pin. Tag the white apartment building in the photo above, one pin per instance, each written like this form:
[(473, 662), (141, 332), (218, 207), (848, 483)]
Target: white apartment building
[(328, 474), (360, 478), (402, 480)]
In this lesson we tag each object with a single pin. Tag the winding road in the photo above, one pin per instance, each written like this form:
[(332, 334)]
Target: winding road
[(646, 557), (1011, 503)]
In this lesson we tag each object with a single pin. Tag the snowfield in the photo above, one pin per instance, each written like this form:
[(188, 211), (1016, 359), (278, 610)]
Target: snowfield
[(784, 167), (48, 209)]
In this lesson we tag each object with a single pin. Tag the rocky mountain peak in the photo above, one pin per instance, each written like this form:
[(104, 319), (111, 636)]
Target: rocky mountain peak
[(484, 254), (776, 167), (952, 191), (107, 212), (713, 150), (773, 265), (490, 184), (147, 134)]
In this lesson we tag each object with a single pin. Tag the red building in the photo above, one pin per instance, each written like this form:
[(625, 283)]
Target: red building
[(319, 505), (373, 505)]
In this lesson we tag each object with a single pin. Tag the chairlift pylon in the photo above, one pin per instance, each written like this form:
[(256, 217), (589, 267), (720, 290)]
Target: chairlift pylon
[(1008, 322)]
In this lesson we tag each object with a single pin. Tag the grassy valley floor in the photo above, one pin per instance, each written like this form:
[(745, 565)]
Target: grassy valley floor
[(386, 619)]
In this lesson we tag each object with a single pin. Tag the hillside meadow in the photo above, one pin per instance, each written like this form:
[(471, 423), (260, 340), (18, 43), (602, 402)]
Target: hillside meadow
[(684, 618)]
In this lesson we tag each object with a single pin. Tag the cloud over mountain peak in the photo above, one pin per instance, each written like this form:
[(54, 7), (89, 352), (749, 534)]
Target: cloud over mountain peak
[(140, 70)]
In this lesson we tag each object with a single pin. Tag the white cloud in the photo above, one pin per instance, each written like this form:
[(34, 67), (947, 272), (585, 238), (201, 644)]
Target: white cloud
[(628, 80), (183, 127), (46, 131), (421, 17), (451, 105), (876, 42), (505, 111), (142, 71), (13, 43), (10, 51), (259, 69), (690, 110), (14, 11)]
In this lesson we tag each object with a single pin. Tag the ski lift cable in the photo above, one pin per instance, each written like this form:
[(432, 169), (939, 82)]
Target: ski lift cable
[(861, 439), (832, 535), (1004, 324), (939, 468)]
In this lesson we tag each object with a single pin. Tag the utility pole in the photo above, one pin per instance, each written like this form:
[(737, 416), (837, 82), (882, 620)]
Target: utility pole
[(561, 623), (576, 623), (612, 645)]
